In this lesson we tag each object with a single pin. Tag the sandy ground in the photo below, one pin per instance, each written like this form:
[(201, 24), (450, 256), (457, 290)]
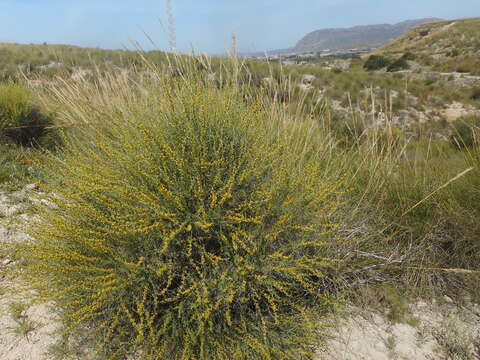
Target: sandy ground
[(31, 345), (436, 331), (457, 110), (38, 324)]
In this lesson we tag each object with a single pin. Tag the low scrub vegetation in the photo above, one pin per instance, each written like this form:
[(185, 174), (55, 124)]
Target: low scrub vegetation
[(454, 43), (63, 60), (399, 64), (191, 225), (204, 212), (465, 131), (376, 62), (21, 120), (475, 94), (14, 164)]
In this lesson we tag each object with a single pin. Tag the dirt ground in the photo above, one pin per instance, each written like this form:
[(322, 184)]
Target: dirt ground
[(434, 331)]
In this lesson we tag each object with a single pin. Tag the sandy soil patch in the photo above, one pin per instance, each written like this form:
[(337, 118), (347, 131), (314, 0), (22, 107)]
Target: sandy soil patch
[(456, 110), (436, 332)]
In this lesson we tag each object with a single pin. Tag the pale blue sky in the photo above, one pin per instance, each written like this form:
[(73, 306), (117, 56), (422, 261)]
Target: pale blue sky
[(206, 25)]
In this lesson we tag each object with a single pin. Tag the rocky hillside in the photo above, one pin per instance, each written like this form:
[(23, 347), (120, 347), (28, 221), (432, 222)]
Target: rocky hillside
[(355, 37), (445, 46)]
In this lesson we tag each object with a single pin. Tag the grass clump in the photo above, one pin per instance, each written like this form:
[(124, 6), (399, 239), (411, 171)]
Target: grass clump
[(16, 165), (399, 64), (465, 131), (21, 120), (24, 326), (376, 62), (475, 94), (191, 226)]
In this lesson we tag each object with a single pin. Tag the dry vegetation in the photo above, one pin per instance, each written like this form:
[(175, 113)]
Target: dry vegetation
[(213, 209)]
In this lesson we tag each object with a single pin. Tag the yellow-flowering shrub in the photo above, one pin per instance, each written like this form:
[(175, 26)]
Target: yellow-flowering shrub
[(186, 225)]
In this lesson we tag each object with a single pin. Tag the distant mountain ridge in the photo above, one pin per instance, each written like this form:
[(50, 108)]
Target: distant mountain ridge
[(355, 37)]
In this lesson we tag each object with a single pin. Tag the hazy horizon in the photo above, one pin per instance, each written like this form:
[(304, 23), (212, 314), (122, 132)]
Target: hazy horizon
[(205, 26)]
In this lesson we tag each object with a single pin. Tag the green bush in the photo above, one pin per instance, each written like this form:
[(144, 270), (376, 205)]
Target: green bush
[(399, 64), (348, 130), (453, 53), (475, 94), (465, 131), (21, 120), (376, 62), (409, 56), (188, 226)]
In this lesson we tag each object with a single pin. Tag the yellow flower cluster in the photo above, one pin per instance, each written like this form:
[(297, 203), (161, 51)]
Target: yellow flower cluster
[(190, 228)]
